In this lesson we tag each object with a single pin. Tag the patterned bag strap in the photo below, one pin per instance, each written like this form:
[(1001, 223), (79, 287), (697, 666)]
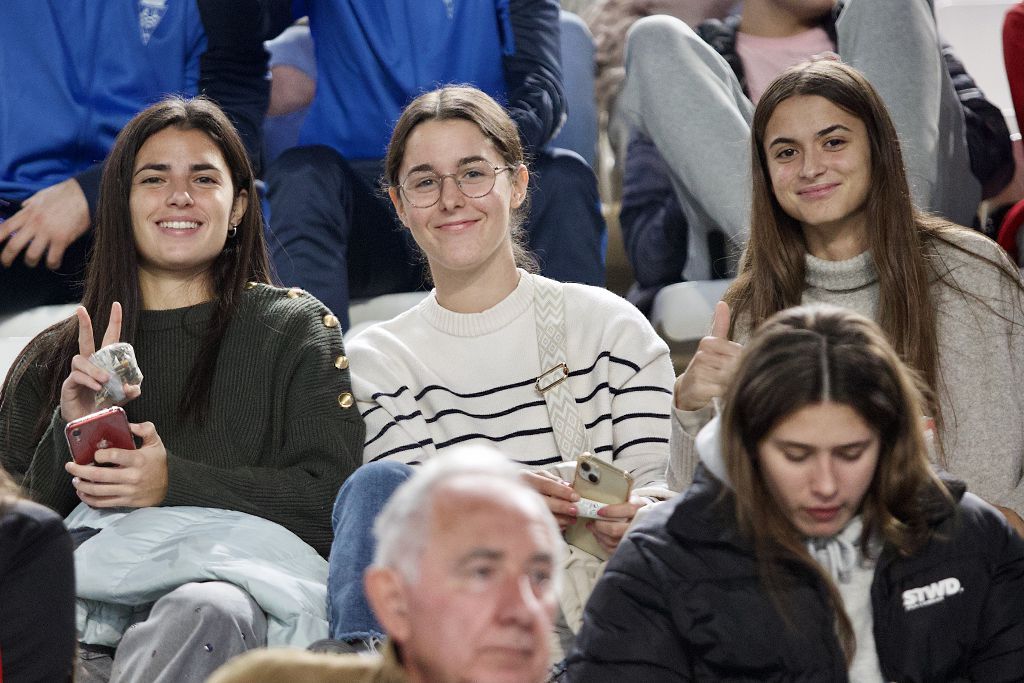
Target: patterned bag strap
[(549, 310)]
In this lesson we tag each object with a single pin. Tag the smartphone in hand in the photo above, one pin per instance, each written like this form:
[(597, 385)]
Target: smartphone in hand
[(598, 483), (104, 429)]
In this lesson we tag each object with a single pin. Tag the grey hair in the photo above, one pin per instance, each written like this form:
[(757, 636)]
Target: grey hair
[(403, 526)]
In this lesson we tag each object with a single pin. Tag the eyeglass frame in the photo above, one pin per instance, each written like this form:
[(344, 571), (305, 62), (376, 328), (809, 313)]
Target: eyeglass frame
[(440, 185)]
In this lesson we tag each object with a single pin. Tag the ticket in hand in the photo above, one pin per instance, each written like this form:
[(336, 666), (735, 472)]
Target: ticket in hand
[(585, 507), (119, 360)]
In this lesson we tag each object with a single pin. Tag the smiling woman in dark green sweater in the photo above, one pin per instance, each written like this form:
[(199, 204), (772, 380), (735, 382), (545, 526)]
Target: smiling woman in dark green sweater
[(245, 403), (273, 441)]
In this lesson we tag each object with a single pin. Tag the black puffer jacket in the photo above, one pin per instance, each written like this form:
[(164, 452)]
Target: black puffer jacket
[(681, 601)]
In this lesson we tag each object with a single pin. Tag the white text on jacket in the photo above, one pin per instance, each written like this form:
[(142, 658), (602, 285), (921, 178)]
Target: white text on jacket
[(930, 594)]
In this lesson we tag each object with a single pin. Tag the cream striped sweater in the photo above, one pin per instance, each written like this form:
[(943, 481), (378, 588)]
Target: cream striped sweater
[(430, 379)]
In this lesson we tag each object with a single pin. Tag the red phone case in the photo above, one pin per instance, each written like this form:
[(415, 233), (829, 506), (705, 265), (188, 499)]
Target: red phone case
[(104, 429)]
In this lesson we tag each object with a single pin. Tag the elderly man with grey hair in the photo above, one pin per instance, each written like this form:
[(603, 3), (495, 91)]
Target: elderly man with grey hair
[(464, 581)]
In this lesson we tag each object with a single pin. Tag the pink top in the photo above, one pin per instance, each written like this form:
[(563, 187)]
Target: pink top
[(765, 58)]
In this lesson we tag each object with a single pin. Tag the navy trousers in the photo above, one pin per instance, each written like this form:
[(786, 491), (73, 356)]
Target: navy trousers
[(22, 287)]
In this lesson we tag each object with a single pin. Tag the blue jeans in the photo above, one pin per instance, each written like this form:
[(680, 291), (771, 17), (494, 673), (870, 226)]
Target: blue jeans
[(359, 501)]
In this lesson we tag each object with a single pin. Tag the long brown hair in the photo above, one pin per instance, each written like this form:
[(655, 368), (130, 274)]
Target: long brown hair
[(806, 356), (466, 103), (899, 237), (112, 270)]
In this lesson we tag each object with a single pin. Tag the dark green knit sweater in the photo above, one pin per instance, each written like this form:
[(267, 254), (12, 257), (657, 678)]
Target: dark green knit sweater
[(275, 441)]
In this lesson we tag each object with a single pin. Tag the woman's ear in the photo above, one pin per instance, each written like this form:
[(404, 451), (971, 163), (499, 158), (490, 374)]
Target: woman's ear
[(520, 181), (238, 209), (396, 200)]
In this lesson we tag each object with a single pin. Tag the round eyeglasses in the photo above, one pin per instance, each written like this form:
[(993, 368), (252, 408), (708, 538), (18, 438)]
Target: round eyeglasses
[(423, 188)]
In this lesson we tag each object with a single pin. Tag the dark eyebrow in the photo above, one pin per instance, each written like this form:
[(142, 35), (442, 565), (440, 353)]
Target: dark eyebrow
[(831, 129), (820, 134), (203, 167), (462, 162), (163, 168), (153, 167), (782, 443), (421, 167), (853, 444)]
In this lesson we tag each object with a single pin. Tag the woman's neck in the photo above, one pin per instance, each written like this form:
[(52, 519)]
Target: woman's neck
[(161, 291), (835, 243), (477, 290)]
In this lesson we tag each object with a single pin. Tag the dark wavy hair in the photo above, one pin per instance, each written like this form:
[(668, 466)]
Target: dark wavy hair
[(806, 356), (112, 272)]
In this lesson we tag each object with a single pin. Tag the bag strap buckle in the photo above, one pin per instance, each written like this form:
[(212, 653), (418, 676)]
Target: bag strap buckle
[(548, 379)]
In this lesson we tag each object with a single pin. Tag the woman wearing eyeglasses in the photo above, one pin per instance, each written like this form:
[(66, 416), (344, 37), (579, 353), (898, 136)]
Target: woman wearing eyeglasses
[(463, 365)]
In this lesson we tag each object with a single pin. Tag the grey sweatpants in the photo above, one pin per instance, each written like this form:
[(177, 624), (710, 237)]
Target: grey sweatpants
[(189, 633), (687, 100)]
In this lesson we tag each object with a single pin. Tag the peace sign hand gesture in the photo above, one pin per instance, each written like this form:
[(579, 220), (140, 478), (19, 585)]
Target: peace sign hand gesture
[(78, 393)]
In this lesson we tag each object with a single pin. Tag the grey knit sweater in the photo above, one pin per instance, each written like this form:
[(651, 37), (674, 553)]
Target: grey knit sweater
[(981, 364), (277, 440)]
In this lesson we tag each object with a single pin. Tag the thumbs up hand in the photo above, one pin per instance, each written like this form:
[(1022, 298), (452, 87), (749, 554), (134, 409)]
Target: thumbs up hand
[(711, 368), (720, 321)]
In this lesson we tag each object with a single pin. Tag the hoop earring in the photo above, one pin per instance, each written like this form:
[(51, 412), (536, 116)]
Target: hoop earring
[(232, 231)]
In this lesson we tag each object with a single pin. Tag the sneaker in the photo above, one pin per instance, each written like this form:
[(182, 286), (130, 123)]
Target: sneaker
[(352, 646)]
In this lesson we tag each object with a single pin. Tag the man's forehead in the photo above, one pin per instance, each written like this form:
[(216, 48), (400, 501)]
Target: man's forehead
[(478, 511), (481, 494)]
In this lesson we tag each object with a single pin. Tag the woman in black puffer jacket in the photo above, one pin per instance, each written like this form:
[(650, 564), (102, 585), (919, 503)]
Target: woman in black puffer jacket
[(815, 544)]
